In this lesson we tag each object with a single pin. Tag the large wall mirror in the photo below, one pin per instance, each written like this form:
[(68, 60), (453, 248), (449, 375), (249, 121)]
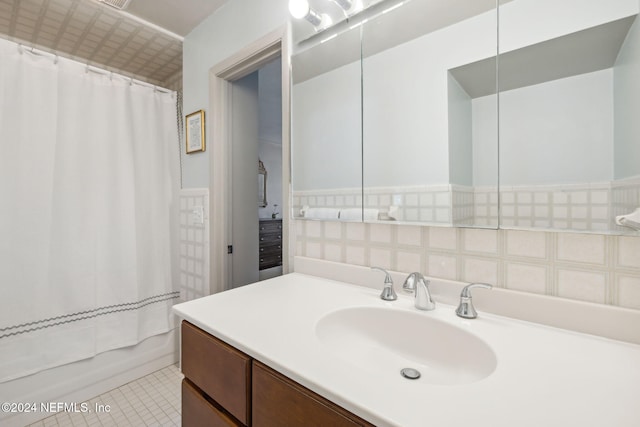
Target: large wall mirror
[(422, 154), (326, 119), (416, 116), (569, 114)]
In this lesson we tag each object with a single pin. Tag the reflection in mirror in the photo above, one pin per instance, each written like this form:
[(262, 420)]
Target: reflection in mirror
[(326, 130), (262, 185), (429, 150), (569, 109)]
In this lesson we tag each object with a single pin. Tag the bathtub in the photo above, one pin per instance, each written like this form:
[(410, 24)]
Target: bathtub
[(85, 379)]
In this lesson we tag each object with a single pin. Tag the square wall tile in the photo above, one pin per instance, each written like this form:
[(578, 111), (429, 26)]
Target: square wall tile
[(526, 278), (408, 262), (532, 244), (443, 238), (409, 235), (482, 241), (333, 230), (314, 229), (355, 231), (332, 252), (629, 251), (355, 255), (379, 257), (586, 248), (629, 291), (582, 285), (442, 266), (380, 233), (313, 250), (480, 270)]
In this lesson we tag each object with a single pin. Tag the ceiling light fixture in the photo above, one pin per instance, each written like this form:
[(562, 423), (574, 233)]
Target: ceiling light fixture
[(344, 4), (300, 9)]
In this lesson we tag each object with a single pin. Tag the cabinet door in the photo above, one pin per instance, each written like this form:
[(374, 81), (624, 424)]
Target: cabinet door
[(281, 402), (219, 370), (198, 412)]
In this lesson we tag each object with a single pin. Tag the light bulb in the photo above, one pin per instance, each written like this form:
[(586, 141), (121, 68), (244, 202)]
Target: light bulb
[(344, 4), (326, 22), (299, 8)]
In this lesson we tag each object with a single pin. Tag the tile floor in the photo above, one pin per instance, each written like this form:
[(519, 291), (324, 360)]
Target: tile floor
[(153, 400)]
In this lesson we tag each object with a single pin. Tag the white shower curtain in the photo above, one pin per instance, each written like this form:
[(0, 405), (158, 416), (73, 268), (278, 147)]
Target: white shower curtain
[(88, 173)]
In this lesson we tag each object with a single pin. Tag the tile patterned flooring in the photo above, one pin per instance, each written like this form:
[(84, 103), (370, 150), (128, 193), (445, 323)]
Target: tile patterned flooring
[(153, 400)]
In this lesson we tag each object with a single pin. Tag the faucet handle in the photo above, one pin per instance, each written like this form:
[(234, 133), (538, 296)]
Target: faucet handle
[(388, 294), (466, 309)]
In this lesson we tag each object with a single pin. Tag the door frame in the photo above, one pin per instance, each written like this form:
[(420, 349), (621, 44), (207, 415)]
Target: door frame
[(221, 76)]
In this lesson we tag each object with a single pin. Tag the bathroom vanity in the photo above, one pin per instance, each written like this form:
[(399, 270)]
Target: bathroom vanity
[(303, 350), (224, 386)]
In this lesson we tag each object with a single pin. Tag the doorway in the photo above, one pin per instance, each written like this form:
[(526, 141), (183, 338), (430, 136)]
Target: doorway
[(232, 83), (256, 176)]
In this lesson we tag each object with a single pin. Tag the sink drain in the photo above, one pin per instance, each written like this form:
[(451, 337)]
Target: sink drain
[(410, 373)]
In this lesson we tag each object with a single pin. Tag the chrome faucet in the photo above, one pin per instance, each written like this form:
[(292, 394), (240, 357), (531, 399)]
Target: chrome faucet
[(466, 309), (417, 284), (388, 294)]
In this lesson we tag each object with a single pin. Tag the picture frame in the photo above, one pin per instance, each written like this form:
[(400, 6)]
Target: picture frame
[(194, 132)]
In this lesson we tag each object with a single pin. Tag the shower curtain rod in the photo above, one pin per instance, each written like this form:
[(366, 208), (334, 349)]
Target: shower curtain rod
[(91, 68)]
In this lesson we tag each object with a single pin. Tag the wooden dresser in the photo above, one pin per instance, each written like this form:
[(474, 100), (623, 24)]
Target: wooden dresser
[(270, 243)]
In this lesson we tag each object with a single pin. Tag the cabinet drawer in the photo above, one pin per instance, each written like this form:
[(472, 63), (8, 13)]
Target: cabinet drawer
[(271, 237), (268, 261), (280, 402), (197, 411), (270, 249), (270, 226), (219, 370)]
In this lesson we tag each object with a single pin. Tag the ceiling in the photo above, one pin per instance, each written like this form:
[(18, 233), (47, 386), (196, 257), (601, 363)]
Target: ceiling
[(144, 41)]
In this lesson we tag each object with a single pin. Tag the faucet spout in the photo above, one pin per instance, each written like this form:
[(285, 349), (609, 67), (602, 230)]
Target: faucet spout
[(416, 283)]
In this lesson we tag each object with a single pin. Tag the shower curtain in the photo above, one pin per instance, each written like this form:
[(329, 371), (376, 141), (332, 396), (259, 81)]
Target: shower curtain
[(88, 176)]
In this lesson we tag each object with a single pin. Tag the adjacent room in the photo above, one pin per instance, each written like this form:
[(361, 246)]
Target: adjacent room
[(285, 213)]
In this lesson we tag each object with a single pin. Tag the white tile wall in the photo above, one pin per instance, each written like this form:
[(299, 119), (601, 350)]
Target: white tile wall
[(194, 244), (603, 269), (591, 206), (577, 207), (415, 203)]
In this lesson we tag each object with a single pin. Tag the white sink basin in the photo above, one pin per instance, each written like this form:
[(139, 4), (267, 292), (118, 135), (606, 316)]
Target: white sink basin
[(384, 341)]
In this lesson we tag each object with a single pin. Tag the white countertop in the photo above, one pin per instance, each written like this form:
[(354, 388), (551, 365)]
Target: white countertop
[(544, 376)]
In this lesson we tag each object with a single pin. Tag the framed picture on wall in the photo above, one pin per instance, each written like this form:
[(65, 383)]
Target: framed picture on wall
[(195, 132)]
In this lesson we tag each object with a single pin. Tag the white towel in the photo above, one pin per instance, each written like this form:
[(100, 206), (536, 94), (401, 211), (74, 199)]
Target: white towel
[(321, 213), (356, 214), (631, 220)]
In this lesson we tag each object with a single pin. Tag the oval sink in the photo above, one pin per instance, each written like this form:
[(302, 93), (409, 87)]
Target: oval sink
[(384, 341)]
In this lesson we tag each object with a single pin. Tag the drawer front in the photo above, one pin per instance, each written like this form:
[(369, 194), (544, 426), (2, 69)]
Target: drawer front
[(267, 249), (270, 226), (219, 370), (280, 402), (268, 261), (197, 411), (271, 237)]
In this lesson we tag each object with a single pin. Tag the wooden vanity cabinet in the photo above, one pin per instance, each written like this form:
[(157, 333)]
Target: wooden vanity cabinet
[(225, 387), (278, 401), (199, 411), (220, 371)]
